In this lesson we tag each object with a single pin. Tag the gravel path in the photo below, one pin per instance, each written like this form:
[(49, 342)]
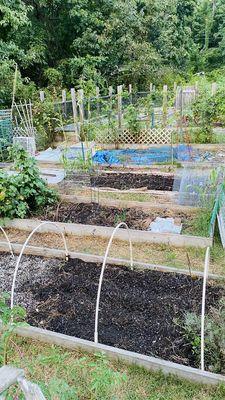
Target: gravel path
[(31, 269)]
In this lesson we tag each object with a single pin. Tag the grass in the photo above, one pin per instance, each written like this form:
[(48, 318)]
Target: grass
[(114, 195), (199, 224), (72, 375)]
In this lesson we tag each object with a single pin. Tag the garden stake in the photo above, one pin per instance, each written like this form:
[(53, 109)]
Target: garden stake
[(206, 271), (103, 269)]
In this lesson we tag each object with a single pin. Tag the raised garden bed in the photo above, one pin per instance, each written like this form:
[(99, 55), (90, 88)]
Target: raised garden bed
[(121, 180), (95, 214), (140, 311), (132, 180)]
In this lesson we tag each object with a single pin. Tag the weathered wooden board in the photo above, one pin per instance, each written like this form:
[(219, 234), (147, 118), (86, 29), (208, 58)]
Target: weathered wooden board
[(9, 376), (150, 363)]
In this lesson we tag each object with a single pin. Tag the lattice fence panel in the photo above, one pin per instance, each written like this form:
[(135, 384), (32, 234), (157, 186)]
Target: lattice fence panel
[(146, 136)]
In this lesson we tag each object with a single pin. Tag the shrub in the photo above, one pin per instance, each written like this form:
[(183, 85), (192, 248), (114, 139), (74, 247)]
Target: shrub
[(131, 118), (24, 192), (46, 119), (214, 337)]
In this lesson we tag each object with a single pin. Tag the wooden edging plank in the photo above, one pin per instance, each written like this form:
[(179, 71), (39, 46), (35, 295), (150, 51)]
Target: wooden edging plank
[(105, 232), (149, 363), (93, 258), (9, 376)]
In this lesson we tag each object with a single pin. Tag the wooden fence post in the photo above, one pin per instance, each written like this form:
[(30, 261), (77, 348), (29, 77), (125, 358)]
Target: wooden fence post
[(214, 88), (130, 93), (110, 104), (196, 89), (42, 95), (164, 105), (110, 91), (64, 108), (119, 105), (81, 107), (74, 106), (97, 101)]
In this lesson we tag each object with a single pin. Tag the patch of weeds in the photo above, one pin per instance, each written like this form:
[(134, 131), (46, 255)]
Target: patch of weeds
[(174, 164), (10, 319), (199, 225), (170, 256), (58, 388), (120, 217), (71, 375), (214, 337)]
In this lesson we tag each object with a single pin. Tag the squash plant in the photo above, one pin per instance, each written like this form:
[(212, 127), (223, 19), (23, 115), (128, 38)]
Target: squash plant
[(24, 192)]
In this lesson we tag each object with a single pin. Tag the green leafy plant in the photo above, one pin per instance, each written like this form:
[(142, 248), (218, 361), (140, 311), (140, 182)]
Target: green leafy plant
[(214, 337), (24, 192), (9, 320), (120, 217), (80, 163), (131, 118), (104, 381), (47, 118)]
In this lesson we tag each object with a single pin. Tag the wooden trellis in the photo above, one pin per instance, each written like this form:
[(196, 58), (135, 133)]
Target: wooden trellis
[(146, 136)]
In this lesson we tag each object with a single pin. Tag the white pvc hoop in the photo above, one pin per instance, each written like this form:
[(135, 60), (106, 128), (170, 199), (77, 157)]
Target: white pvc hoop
[(206, 272), (8, 241), (22, 251), (102, 273)]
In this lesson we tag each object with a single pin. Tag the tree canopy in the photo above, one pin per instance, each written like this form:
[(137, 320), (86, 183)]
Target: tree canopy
[(61, 42)]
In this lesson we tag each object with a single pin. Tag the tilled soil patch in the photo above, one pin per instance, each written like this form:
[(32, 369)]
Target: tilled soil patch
[(124, 181), (95, 214), (140, 311), (36, 269)]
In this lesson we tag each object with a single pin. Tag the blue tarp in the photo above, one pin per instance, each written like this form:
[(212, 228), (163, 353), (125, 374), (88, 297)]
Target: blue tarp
[(146, 157)]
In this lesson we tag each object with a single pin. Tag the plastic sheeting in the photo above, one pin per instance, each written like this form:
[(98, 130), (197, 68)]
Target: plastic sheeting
[(147, 156), (165, 225), (195, 186), (55, 155)]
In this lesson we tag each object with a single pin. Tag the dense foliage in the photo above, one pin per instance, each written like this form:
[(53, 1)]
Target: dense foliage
[(62, 42), (25, 192)]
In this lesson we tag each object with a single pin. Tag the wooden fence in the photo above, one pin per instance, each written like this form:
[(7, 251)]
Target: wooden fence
[(154, 116)]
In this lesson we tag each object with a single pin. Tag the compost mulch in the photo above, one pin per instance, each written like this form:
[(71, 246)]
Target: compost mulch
[(96, 214), (124, 181), (140, 311)]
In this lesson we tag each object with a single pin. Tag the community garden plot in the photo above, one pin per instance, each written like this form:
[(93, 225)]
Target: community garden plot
[(128, 180), (140, 311), (132, 180), (96, 214)]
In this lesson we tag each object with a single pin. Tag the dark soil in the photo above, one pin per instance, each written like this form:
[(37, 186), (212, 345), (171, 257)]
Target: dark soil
[(141, 311), (95, 214), (129, 181)]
